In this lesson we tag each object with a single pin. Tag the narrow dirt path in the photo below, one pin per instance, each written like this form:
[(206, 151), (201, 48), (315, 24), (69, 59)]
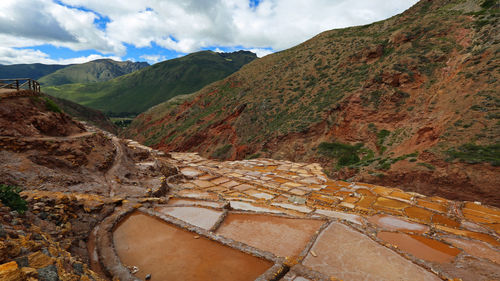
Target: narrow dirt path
[(110, 175)]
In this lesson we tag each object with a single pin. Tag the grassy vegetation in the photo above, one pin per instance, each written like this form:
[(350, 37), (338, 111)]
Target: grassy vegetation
[(9, 195), (253, 156), (473, 154), (52, 106), (381, 136), (427, 165), (352, 156), (222, 152), (346, 154), (386, 163), (133, 93)]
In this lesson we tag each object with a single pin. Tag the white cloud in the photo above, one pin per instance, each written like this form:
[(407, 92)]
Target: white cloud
[(152, 59), (19, 56), (261, 52), (184, 26)]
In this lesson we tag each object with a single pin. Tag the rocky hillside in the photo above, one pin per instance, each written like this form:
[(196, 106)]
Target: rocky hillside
[(91, 72), (136, 92), (411, 101)]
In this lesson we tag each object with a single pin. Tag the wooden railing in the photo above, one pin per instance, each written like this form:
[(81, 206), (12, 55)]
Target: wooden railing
[(20, 84)]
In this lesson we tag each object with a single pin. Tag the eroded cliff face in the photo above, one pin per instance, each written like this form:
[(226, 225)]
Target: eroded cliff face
[(414, 98), (72, 176)]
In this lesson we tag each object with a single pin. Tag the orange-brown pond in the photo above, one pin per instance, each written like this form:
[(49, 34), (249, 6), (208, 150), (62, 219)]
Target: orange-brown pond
[(421, 247), (278, 235), (171, 253)]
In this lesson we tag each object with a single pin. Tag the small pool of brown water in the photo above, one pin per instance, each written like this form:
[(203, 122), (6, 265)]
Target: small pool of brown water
[(171, 253), (421, 247)]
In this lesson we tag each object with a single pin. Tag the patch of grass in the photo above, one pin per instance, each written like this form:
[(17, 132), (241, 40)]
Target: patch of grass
[(345, 154), (473, 154), (9, 195), (488, 4), (253, 156), (222, 152), (381, 136), (385, 164), (427, 165), (52, 106)]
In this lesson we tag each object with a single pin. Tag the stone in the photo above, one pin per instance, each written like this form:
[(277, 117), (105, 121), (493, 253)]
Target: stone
[(349, 255), (39, 260), (22, 261), (78, 268), (29, 272), (10, 272), (3, 233), (48, 273)]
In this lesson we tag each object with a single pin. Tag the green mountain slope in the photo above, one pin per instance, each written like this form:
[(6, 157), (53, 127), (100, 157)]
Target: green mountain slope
[(34, 71), (138, 91), (91, 72), (412, 101)]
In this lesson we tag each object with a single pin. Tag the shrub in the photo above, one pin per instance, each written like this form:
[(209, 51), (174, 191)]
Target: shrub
[(488, 4), (52, 106), (427, 165), (222, 152), (345, 153), (472, 153), (9, 195)]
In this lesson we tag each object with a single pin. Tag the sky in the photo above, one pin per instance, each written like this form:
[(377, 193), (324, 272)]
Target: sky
[(77, 31)]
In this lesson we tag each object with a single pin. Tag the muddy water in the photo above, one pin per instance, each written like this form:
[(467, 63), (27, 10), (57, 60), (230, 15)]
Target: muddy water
[(170, 253), (421, 247), (395, 223), (278, 235)]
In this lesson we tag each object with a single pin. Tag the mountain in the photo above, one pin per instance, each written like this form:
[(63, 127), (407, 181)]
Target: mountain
[(34, 71), (91, 72), (138, 91), (410, 101)]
